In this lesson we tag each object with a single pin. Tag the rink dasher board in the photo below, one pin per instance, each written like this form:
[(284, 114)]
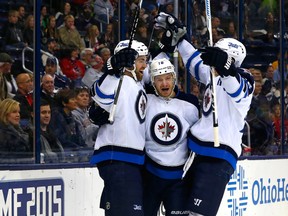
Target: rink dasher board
[(257, 187)]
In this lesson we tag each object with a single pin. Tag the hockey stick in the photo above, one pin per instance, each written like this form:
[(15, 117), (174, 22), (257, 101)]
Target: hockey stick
[(153, 29), (212, 76), (133, 30)]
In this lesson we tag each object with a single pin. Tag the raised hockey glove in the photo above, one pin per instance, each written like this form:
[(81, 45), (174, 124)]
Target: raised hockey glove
[(97, 115), (166, 41), (170, 22), (124, 58), (215, 57)]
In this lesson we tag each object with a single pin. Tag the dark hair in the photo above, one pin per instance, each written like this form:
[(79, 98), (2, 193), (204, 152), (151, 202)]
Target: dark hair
[(44, 102), (64, 95), (80, 89), (51, 61)]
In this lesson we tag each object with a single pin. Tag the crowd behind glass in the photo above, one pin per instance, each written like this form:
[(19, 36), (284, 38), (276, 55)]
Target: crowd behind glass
[(78, 37)]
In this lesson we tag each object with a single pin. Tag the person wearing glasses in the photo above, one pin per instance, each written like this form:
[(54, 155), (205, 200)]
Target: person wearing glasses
[(24, 96)]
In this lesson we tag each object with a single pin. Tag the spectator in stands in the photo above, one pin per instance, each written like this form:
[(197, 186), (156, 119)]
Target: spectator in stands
[(24, 96), (77, 4), (108, 37), (72, 67), (260, 122), (271, 27), (276, 117), (52, 47), (87, 129), (275, 63), (152, 11), (28, 33), (85, 19), (42, 35), (21, 17), (68, 35), (8, 86), (63, 123), (105, 54), (44, 16), (256, 14), (142, 33), (224, 13), (86, 57), (51, 30), (143, 16), (60, 80), (199, 23), (268, 83), (94, 73), (169, 8), (60, 16), (15, 143), (92, 39), (215, 35), (216, 23), (276, 99), (257, 74), (104, 11), (277, 73), (12, 36), (50, 145), (48, 90), (231, 30)]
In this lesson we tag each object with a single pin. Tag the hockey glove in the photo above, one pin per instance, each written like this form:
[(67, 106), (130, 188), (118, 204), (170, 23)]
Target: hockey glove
[(215, 57), (166, 41), (168, 21), (124, 58), (97, 115)]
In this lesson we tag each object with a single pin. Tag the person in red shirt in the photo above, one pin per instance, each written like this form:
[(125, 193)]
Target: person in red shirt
[(72, 67), (276, 111)]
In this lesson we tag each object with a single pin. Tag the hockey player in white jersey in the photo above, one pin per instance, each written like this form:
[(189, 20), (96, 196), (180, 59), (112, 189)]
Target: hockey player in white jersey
[(119, 147), (213, 166), (170, 114)]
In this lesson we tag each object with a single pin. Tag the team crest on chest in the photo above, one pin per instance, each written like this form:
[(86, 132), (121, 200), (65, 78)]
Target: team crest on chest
[(166, 129), (141, 106), (207, 101)]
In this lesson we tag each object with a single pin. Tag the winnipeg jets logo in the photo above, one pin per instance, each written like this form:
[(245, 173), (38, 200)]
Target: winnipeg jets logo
[(141, 106), (137, 207), (207, 101), (166, 129)]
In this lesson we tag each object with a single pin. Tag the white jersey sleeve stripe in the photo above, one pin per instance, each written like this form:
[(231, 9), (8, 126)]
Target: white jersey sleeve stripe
[(196, 69), (238, 92), (102, 95)]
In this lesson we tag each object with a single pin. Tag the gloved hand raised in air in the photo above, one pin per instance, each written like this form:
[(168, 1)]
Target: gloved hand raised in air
[(123, 58), (215, 57), (166, 41), (170, 22)]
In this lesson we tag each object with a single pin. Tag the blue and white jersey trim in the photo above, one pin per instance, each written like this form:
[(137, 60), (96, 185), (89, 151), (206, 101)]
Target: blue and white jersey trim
[(163, 171), (207, 149), (111, 153)]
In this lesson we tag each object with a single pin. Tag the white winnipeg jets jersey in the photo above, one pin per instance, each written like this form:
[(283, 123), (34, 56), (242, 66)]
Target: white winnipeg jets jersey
[(123, 140), (234, 95), (167, 124)]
